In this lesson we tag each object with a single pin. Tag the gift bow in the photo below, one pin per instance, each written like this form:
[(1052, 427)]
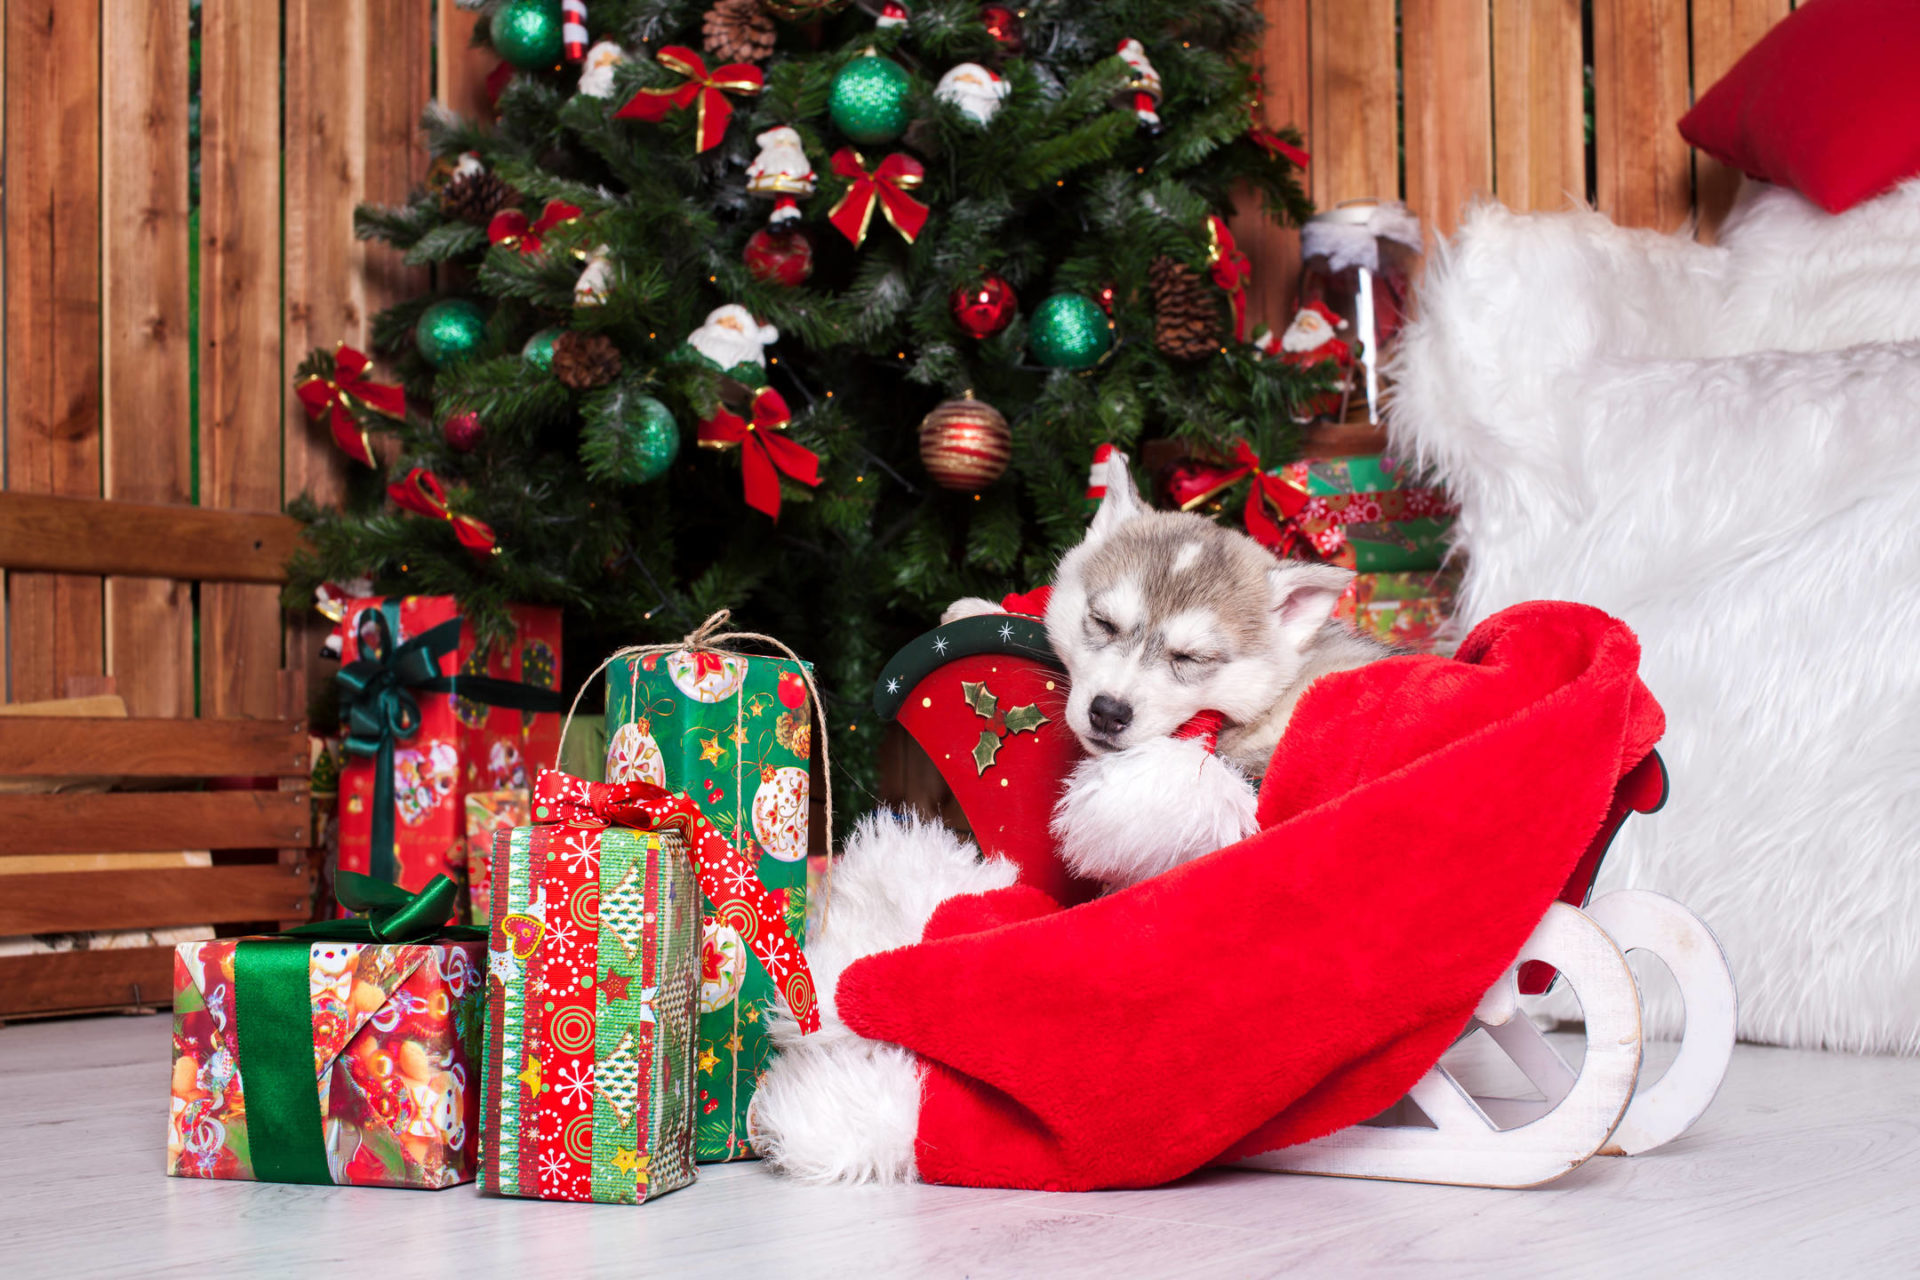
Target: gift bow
[(380, 706), (886, 186), (708, 88), (1230, 270), (511, 228), (421, 492), (389, 913), (1265, 137), (766, 452), (728, 879), (333, 397), (1267, 497)]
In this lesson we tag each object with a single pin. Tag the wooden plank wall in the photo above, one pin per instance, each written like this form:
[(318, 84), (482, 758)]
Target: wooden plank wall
[(99, 375), (1440, 102)]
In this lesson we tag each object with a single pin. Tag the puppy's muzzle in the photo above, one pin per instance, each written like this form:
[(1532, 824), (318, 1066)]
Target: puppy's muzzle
[(1109, 716)]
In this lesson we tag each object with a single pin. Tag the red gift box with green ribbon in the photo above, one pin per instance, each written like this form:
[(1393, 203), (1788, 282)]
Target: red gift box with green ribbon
[(343, 1052), (429, 715)]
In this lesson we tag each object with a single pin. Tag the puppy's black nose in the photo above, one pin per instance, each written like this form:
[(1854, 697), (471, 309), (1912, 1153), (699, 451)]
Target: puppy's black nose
[(1109, 715)]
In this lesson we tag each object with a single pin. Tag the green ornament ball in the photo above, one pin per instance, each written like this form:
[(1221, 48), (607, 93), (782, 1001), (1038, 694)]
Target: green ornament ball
[(1069, 331), (539, 350), (450, 331), (527, 33), (870, 100), (654, 441)]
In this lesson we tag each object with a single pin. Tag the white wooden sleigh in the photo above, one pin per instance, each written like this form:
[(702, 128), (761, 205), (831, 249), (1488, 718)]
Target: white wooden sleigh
[(1600, 1108)]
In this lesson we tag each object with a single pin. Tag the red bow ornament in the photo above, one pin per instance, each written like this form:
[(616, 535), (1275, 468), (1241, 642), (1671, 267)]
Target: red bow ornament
[(886, 186), (729, 880), (766, 453), (510, 227), (1265, 137), (421, 492), (333, 397), (1271, 502), (707, 88), (1230, 271)]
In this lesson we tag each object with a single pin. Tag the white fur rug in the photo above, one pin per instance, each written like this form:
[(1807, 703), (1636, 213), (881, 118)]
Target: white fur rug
[(1720, 445)]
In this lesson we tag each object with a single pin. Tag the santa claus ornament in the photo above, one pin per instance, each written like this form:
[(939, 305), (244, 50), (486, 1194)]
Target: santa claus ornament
[(596, 72), (1313, 339), (974, 89), (781, 173), (596, 279), (1142, 91), (733, 342)]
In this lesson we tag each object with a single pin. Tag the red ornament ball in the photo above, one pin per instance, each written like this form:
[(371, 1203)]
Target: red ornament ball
[(462, 431), (965, 444), (985, 307), (792, 690), (1105, 298), (779, 257), (1003, 24)]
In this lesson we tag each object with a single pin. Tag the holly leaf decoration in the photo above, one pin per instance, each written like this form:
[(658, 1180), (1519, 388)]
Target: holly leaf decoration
[(1025, 719), (977, 696), (985, 750)]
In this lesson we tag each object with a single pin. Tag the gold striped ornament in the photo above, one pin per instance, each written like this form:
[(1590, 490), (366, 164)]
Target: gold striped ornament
[(965, 444)]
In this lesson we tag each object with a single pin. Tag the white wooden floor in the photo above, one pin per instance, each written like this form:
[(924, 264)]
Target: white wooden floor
[(1809, 1164)]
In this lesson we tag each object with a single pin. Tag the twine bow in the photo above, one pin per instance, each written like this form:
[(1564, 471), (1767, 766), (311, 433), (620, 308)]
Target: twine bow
[(707, 88), (421, 492), (334, 397), (1273, 143), (886, 186), (766, 452), (1230, 270), (727, 878), (511, 228)]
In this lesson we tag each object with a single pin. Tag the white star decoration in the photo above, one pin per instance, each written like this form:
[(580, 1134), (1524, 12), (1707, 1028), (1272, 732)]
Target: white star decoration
[(893, 685), (940, 645), (1006, 631)]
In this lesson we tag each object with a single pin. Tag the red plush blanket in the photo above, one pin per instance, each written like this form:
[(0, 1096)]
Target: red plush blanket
[(1418, 818)]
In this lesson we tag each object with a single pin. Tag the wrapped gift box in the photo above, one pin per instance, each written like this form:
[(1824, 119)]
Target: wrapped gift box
[(1368, 513), (591, 989), (1406, 610), (488, 814), (459, 743), (735, 732), (393, 1032)]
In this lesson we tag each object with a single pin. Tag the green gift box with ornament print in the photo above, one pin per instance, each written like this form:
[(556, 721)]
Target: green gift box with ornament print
[(735, 732)]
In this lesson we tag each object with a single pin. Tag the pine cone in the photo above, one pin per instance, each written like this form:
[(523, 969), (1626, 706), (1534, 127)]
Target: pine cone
[(584, 361), (738, 31), (477, 197), (1185, 309)]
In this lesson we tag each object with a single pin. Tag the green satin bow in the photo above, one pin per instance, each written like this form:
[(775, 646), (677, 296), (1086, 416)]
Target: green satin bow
[(389, 913)]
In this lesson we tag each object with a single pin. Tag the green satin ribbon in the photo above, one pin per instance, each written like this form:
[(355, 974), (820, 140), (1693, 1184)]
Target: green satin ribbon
[(273, 1013), (380, 707)]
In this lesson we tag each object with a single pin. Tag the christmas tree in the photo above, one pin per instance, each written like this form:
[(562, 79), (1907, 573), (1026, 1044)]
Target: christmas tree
[(899, 269)]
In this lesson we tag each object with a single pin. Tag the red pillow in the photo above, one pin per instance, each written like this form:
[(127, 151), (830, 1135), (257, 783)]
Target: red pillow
[(1827, 103)]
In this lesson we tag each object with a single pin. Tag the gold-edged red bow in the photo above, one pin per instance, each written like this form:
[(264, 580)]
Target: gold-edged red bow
[(766, 452), (421, 492), (707, 88), (333, 398), (510, 227), (1271, 502), (1230, 270), (886, 186)]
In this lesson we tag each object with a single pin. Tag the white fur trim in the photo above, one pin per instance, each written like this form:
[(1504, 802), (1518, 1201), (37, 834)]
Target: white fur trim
[(1129, 815)]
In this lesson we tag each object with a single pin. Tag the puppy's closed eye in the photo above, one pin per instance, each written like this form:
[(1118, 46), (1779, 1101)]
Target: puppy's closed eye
[(1101, 628), (1189, 664)]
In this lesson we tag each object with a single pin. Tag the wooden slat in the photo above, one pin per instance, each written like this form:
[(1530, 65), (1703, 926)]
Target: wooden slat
[(241, 384), (1723, 30), (53, 319), (1448, 78), (1643, 174), (1540, 145), (1355, 115), (85, 981), (1271, 249), (57, 747), (145, 427), (84, 901), (460, 76), (152, 821), (90, 535)]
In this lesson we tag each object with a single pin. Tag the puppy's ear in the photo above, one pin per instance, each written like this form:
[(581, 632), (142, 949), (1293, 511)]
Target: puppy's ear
[(1122, 501), (1303, 597)]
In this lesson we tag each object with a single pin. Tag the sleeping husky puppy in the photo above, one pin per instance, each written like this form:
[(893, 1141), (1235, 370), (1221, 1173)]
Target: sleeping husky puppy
[(1172, 630)]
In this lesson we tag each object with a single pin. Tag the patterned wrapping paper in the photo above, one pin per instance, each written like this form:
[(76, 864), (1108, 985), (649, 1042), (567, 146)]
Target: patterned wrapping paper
[(460, 746), (1369, 513), (1406, 610), (735, 732), (590, 1026), (397, 1032), (488, 813)]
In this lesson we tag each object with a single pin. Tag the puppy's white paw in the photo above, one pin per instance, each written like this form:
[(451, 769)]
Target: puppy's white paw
[(967, 607), (1129, 815)]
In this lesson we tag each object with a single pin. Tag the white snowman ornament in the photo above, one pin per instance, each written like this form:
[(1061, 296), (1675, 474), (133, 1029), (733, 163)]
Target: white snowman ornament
[(781, 173), (975, 89), (731, 337), (596, 73)]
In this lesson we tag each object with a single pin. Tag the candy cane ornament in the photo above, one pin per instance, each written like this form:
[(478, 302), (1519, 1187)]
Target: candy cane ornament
[(573, 29)]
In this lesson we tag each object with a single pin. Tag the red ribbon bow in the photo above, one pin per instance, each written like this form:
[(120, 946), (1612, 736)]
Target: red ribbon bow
[(1230, 270), (1267, 497), (1265, 137), (730, 881), (510, 227), (886, 186), (421, 492), (709, 89), (765, 452), (333, 396)]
